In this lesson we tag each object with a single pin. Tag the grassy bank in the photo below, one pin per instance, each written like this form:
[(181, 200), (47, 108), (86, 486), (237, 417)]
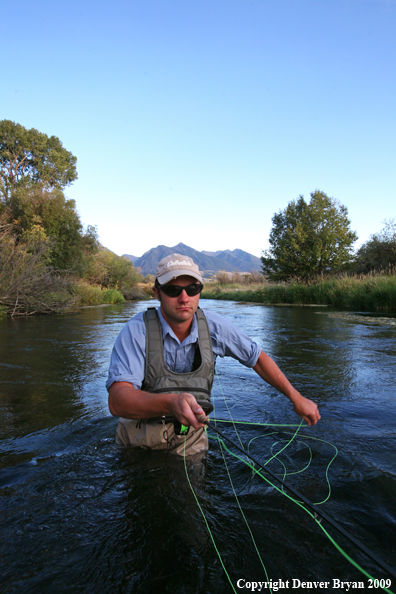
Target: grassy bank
[(93, 295), (80, 294), (371, 293)]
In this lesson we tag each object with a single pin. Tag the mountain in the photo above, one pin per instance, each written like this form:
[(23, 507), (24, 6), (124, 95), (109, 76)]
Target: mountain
[(240, 260), (208, 262)]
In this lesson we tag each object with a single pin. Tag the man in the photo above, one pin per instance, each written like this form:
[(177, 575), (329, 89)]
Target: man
[(162, 365)]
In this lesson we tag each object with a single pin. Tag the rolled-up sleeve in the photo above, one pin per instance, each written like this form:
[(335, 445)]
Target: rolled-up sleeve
[(127, 363), (230, 341)]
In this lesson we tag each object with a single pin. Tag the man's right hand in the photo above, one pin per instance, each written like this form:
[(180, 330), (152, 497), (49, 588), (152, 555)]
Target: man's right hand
[(131, 403), (187, 410)]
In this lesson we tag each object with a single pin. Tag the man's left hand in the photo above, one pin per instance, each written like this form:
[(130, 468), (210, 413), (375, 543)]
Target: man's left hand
[(306, 409)]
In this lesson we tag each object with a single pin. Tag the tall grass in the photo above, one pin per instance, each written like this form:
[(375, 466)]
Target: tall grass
[(371, 293), (94, 295)]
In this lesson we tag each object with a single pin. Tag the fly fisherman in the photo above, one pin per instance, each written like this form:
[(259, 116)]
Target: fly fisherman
[(162, 365)]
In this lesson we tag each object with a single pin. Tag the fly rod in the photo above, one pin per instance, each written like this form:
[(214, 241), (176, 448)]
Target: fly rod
[(307, 502)]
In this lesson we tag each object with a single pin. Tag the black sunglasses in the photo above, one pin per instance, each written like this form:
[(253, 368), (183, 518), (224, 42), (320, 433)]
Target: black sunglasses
[(176, 290)]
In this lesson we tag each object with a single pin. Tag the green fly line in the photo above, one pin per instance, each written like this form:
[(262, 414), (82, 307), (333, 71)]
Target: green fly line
[(274, 456)]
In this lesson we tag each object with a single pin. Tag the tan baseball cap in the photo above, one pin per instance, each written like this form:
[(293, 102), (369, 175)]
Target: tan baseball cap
[(176, 265)]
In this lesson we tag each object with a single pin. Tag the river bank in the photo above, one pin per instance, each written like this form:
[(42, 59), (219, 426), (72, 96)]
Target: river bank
[(366, 294), (370, 293), (83, 294)]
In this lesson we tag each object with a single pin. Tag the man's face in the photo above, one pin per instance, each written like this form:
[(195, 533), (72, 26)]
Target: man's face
[(178, 309)]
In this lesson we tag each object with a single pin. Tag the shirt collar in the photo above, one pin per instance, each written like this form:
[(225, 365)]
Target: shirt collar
[(166, 329)]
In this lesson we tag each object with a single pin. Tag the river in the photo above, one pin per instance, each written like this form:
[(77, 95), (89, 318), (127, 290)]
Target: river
[(80, 514)]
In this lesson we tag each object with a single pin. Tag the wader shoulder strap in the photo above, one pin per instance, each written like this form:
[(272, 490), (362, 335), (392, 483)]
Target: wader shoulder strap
[(155, 362)]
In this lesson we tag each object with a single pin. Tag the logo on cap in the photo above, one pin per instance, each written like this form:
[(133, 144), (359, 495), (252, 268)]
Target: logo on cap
[(179, 263)]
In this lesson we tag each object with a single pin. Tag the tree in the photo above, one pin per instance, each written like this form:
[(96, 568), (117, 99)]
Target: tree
[(31, 158), (309, 239), (58, 219), (379, 252), (113, 272), (27, 283)]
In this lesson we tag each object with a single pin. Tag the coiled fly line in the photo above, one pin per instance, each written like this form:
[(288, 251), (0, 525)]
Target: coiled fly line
[(257, 467)]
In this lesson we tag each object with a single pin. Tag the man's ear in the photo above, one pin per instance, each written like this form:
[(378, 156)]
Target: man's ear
[(156, 293)]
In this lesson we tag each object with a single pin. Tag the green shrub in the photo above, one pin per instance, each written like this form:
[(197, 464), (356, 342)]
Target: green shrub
[(94, 295), (110, 271)]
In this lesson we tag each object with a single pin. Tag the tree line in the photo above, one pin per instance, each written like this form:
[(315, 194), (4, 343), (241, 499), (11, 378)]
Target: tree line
[(46, 254), (45, 251)]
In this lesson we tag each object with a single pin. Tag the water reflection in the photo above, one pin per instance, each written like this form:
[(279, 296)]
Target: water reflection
[(53, 368)]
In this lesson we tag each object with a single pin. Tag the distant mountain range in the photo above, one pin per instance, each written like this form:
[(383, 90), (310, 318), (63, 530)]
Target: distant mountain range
[(208, 262)]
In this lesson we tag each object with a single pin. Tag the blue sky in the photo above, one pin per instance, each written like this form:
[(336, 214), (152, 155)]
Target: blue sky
[(197, 120)]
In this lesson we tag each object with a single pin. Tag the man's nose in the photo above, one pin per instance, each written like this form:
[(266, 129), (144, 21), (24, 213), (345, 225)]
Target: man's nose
[(183, 296)]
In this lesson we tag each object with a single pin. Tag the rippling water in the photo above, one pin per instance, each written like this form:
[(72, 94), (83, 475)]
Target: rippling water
[(81, 515)]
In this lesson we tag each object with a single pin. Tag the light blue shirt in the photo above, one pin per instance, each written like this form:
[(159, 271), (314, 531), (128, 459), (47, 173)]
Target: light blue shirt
[(128, 358)]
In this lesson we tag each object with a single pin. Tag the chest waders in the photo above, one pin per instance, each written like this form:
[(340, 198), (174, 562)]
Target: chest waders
[(163, 433), (160, 379)]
